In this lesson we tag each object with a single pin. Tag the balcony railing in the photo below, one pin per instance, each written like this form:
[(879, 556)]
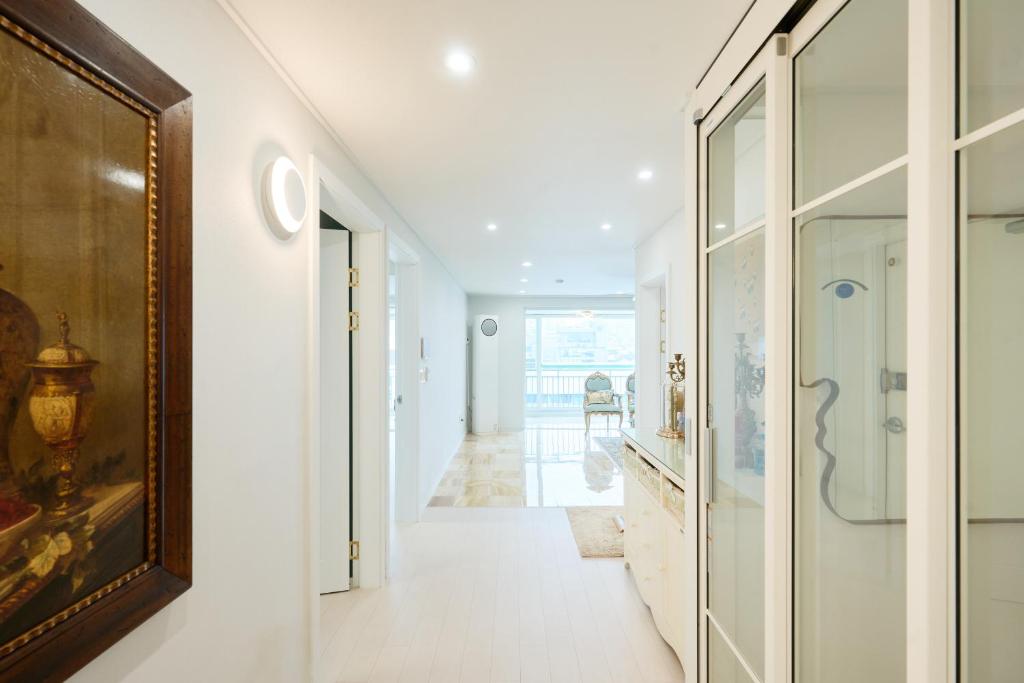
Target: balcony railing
[(554, 389)]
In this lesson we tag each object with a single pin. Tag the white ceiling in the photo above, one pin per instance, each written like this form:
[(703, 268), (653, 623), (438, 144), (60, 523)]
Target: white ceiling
[(569, 99)]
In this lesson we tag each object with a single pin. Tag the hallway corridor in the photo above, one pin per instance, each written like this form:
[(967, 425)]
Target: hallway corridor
[(498, 595)]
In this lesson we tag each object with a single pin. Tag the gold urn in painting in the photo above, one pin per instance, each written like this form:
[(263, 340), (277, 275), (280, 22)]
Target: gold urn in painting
[(61, 406)]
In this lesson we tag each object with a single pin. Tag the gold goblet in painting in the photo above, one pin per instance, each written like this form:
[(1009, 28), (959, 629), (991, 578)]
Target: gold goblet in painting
[(61, 405)]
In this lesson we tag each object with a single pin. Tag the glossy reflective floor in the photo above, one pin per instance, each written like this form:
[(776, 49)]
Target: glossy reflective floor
[(554, 462), (494, 595)]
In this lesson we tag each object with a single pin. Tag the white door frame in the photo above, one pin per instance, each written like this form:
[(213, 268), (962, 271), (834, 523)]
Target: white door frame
[(369, 377), (407, 351), (335, 399), (760, 68)]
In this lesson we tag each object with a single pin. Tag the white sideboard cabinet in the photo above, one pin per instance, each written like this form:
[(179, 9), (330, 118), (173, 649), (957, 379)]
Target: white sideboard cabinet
[(655, 544)]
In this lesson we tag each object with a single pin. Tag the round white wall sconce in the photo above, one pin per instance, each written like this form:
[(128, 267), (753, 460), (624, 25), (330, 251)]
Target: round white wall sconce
[(284, 197)]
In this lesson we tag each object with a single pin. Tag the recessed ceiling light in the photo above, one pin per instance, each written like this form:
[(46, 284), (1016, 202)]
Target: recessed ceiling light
[(459, 62), (522, 291), (720, 226), (559, 281), (523, 280), (491, 227), (645, 174), (606, 226), (619, 293), (526, 264)]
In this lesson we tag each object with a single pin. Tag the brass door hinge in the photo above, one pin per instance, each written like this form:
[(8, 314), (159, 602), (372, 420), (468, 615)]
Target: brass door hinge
[(353, 277), (353, 550), (353, 321)]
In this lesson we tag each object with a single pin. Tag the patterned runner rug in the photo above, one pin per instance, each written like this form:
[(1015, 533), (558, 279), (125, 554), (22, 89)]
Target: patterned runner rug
[(595, 530)]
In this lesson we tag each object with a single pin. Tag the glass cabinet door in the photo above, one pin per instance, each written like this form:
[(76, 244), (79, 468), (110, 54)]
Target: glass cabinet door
[(735, 377), (850, 388), (991, 322)]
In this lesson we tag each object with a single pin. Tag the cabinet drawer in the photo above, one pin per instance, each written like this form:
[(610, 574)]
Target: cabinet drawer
[(672, 499), (629, 459), (650, 477)]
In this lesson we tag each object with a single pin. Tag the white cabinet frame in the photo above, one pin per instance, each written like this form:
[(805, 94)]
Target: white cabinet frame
[(769, 67), (932, 517)]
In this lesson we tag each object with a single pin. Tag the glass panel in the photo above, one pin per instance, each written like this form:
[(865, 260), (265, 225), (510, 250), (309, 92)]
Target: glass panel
[(736, 382), (723, 667), (736, 168), (851, 97), (851, 436), (991, 429), (992, 66)]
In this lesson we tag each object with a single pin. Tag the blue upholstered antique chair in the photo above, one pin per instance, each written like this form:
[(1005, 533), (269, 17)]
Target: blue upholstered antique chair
[(600, 398), (631, 398)]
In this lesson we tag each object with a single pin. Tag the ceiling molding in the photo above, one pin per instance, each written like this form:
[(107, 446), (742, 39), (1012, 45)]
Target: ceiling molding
[(306, 102)]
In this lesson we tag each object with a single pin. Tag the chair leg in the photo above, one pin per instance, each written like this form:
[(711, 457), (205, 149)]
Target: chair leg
[(586, 419), (620, 420)]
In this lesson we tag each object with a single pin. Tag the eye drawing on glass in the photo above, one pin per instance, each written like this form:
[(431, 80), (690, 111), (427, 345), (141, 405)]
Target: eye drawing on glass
[(89, 264)]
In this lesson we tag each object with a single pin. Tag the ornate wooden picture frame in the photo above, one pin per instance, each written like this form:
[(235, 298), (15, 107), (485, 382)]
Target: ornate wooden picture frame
[(75, 610)]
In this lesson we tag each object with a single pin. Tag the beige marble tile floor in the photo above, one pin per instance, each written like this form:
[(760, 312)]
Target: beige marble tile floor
[(482, 595), (554, 462)]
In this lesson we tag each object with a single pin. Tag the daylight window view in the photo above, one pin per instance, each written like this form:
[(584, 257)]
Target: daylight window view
[(564, 348)]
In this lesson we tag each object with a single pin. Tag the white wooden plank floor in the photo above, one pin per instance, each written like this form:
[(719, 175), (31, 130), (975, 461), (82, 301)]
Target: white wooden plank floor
[(482, 595)]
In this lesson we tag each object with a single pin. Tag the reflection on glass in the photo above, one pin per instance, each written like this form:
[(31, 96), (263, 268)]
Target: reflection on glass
[(991, 429), (736, 517), (992, 61), (851, 425), (736, 167), (851, 97)]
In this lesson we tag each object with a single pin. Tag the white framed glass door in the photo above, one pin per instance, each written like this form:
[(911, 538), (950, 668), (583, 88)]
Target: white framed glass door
[(732, 376), (849, 213), (990, 226), (884, 295)]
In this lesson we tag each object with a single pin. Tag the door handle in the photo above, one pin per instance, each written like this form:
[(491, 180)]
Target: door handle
[(709, 464), (894, 425)]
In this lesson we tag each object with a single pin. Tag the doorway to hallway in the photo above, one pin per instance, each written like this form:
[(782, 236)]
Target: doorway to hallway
[(336, 405)]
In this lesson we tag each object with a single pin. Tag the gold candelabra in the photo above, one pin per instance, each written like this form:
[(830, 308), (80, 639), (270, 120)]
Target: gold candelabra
[(673, 399)]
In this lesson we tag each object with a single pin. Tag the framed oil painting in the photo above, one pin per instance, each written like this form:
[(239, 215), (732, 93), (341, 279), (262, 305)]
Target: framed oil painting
[(95, 339)]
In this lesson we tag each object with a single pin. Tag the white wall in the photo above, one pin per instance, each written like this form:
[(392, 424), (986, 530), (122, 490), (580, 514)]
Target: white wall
[(245, 618), (512, 347), (662, 254), (443, 313)]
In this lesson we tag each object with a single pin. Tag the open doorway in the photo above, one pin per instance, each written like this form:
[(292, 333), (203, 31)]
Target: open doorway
[(346, 477), (335, 405)]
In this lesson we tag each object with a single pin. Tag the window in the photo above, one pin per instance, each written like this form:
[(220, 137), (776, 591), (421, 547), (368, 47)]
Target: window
[(563, 348)]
